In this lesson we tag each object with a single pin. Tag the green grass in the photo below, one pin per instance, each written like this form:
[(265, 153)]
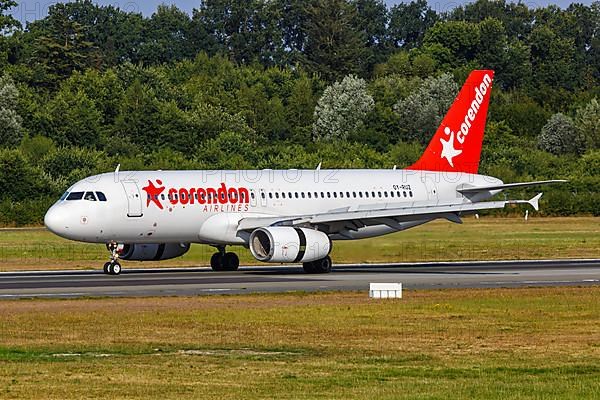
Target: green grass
[(532, 343), (483, 239)]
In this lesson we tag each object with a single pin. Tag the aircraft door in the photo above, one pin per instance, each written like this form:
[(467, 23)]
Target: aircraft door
[(134, 199), (431, 188)]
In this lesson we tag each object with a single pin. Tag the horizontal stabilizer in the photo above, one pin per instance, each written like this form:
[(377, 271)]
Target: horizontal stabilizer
[(535, 202), (477, 189)]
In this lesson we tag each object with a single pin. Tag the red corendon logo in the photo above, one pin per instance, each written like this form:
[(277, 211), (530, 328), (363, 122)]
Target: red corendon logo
[(154, 193), (218, 196)]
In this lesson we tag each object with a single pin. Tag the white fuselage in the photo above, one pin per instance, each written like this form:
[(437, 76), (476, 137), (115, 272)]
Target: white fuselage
[(188, 208)]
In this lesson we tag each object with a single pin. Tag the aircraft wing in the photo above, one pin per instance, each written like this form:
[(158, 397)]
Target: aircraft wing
[(477, 189), (392, 215)]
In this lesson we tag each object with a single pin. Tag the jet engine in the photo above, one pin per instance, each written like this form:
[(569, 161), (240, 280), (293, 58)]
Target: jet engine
[(152, 252), (286, 244)]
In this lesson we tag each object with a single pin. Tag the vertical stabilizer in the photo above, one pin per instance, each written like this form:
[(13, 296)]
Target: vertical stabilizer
[(456, 145)]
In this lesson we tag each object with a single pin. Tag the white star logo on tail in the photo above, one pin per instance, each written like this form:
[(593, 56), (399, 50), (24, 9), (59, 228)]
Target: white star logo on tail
[(448, 150)]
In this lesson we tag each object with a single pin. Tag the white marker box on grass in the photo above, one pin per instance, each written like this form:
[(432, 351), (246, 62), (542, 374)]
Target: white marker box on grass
[(385, 290)]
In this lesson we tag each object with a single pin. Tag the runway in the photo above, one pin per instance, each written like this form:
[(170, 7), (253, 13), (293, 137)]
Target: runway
[(202, 281)]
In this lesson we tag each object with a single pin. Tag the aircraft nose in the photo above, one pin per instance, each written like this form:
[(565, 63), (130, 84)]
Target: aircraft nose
[(56, 220)]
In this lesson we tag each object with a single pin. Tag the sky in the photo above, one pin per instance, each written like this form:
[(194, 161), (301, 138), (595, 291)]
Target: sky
[(30, 10)]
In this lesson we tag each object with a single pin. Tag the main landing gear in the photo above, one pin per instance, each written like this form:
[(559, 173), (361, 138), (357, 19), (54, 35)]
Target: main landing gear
[(222, 261), (322, 266), (112, 267)]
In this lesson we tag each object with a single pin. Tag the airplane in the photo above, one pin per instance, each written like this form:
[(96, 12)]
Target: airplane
[(286, 216)]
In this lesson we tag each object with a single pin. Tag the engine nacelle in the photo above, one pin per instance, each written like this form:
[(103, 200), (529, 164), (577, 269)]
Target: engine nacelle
[(282, 244), (152, 252)]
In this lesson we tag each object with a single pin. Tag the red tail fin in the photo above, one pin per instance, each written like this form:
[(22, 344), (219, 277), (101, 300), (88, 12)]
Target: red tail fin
[(456, 145)]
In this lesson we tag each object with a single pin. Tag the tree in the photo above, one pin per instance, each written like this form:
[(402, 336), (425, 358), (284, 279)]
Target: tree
[(492, 44), (10, 122), (371, 20), (587, 121), (8, 24), (116, 35), (342, 109), (409, 22), (553, 58), (136, 121), (460, 37), (422, 111), (60, 45), (74, 119), (18, 180), (244, 30), (517, 18), (334, 48), (300, 109), (559, 136), (167, 35), (293, 27)]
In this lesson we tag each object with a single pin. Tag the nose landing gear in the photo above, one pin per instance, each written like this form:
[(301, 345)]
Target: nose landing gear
[(223, 261), (112, 267)]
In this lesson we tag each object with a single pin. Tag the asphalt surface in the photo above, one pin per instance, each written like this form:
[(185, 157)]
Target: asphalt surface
[(200, 281)]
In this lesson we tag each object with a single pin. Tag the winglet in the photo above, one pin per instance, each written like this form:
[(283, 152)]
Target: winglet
[(535, 202)]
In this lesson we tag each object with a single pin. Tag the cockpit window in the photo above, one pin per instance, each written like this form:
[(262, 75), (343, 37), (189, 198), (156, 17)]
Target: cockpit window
[(101, 196), (64, 196), (75, 196), (89, 196)]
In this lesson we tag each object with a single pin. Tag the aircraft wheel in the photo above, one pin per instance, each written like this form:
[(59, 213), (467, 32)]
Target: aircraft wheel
[(116, 268), (107, 268), (308, 267), (322, 266), (216, 262), (231, 262)]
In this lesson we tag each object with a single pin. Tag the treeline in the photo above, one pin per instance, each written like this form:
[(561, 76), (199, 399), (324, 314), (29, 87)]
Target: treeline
[(289, 83)]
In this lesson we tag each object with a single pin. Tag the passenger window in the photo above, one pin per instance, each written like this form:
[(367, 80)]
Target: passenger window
[(89, 196), (276, 195), (296, 194), (328, 195), (309, 194), (367, 195), (252, 195), (101, 196), (302, 194), (391, 194), (335, 194), (404, 193), (270, 195), (384, 194), (316, 195), (75, 196), (348, 194), (410, 194)]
